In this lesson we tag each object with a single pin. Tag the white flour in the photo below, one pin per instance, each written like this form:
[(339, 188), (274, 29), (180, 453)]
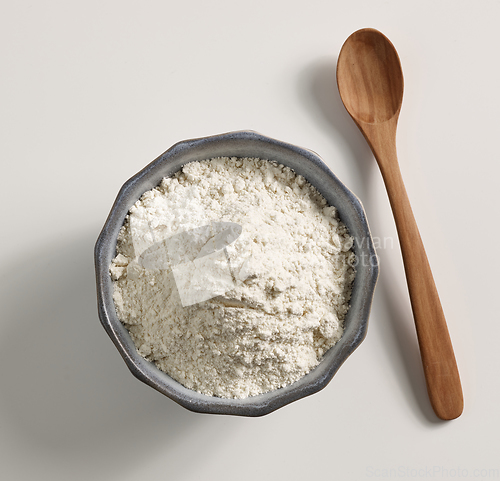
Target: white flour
[(283, 299)]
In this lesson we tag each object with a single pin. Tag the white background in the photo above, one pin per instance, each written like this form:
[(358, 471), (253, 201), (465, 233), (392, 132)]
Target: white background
[(90, 92)]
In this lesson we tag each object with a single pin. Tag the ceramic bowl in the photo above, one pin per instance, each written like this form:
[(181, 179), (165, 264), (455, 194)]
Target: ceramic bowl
[(303, 162)]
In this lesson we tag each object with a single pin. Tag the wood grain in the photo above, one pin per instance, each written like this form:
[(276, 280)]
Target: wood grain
[(370, 82)]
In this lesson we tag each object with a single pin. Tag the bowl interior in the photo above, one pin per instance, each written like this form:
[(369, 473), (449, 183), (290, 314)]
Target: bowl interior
[(303, 162)]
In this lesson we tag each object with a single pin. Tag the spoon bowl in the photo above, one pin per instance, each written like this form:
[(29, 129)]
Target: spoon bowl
[(379, 97)]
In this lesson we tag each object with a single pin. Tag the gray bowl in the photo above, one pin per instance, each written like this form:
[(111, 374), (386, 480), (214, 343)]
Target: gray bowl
[(303, 162)]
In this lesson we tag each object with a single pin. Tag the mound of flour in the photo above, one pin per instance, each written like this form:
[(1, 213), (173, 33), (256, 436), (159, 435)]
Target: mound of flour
[(289, 286)]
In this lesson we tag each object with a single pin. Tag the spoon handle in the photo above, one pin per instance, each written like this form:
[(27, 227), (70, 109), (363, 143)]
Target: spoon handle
[(440, 367)]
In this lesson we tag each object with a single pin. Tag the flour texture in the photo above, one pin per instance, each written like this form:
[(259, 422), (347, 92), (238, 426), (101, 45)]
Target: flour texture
[(280, 288)]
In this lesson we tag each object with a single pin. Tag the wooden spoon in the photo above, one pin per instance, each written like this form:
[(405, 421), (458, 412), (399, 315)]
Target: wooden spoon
[(370, 82)]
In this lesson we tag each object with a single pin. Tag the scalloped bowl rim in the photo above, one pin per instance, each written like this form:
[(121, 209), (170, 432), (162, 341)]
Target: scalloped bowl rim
[(304, 162)]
